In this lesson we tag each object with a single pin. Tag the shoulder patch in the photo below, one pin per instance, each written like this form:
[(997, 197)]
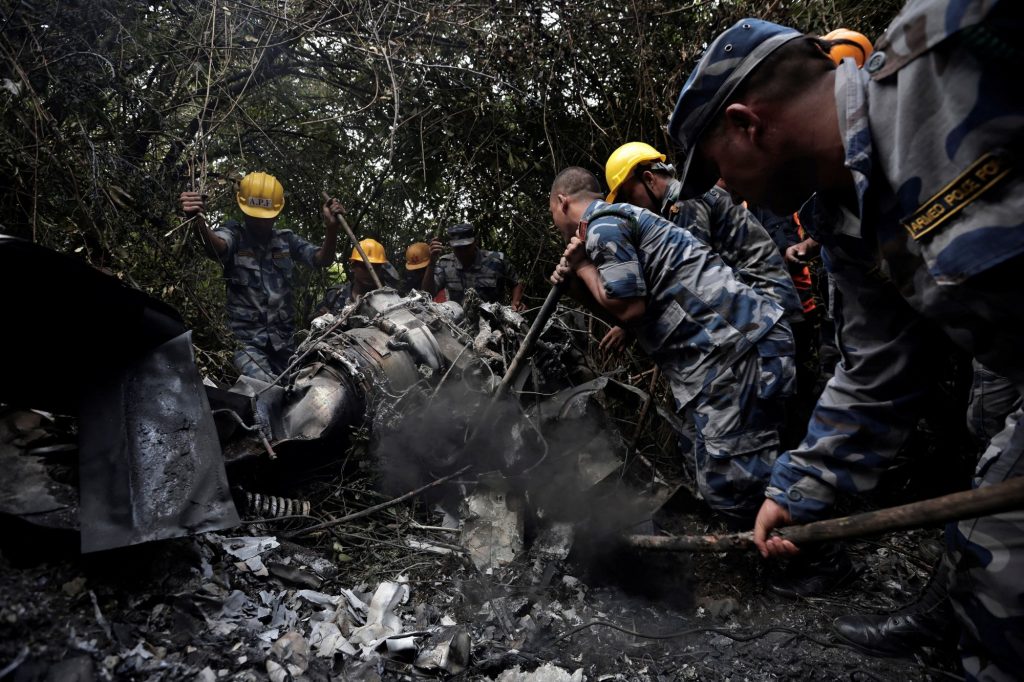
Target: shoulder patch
[(979, 178)]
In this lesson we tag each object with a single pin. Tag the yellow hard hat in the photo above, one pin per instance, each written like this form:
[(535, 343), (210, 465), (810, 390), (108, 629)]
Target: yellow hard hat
[(622, 162), (849, 43), (374, 252), (260, 195), (417, 256)]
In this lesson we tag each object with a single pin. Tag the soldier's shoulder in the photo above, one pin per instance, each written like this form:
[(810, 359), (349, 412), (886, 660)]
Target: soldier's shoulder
[(922, 25), (492, 255), (716, 196), (445, 262), (231, 225), (614, 214)]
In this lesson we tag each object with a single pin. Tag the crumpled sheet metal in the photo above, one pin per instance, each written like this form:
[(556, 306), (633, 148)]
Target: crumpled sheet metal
[(320, 400), (447, 649), (249, 550), (545, 673), (328, 640), (150, 461), (297, 629), (289, 657), (381, 620), (492, 530)]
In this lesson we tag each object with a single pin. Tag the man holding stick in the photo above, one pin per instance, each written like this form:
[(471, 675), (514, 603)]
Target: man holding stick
[(258, 262), (916, 161)]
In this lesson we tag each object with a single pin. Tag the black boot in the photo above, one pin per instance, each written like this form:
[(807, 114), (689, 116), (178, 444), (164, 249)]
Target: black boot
[(928, 622), (813, 572)]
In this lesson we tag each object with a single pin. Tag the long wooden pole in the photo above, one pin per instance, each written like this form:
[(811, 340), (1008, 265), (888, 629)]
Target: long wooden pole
[(483, 424), (529, 341), (359, 247), (969, 504)]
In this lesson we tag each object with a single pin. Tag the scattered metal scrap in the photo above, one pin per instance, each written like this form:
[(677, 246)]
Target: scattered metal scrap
[(422, 376)]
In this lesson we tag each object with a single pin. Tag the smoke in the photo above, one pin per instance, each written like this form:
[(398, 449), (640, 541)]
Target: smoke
[(567, 467), (440, 433)]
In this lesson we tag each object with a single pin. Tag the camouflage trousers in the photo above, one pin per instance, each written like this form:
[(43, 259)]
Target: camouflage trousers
[(992, 398), (261, 363), (737, 435), (987, 589)]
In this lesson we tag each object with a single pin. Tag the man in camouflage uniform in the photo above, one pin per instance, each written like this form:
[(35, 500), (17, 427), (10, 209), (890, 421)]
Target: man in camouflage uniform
[(470, 267), (258, 262), (359, 281), (719, 343), (637, 174), (920, 211)]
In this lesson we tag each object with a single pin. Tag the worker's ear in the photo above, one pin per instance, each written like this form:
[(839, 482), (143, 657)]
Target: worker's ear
[(741, 120), (560, 203)]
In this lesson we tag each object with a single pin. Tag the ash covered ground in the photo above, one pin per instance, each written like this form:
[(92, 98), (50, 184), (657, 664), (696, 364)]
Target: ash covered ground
[(189, 609), (508, 569)]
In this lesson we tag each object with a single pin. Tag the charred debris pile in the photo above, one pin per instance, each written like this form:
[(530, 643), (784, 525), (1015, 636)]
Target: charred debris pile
[(356, 520)]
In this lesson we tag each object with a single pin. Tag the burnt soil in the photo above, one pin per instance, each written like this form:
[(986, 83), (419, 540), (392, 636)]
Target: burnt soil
[(151, 612)]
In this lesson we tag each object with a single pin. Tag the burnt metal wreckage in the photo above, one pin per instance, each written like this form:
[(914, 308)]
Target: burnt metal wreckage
[(157, 446), (162, 453), (422, 376), (431, 381)]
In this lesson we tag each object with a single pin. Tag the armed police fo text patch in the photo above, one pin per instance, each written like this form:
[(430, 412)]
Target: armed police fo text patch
[(980, 177)]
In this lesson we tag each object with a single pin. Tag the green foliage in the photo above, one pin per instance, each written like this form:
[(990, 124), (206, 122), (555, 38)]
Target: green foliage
[(415, 115)]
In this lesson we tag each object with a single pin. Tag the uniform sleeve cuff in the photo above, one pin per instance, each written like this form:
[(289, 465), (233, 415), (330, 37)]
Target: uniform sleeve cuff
[(806, 497)]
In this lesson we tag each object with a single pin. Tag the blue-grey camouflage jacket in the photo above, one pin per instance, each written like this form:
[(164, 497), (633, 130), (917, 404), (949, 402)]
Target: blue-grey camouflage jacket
[(736, 235), (340, 295), (489, 274), (260, 305), (933, 136), (700, 316)]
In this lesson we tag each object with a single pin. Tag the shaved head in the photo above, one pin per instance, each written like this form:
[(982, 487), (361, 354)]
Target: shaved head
[(572, 191), (575, 180)]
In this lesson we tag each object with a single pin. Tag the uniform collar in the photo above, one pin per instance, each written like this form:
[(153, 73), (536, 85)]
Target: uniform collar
[(251, 240), (478, 259), (855, 130), (594, 205), (675, 188)]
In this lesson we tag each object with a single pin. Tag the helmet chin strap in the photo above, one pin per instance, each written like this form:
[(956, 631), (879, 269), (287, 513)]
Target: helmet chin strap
[(655, 201)]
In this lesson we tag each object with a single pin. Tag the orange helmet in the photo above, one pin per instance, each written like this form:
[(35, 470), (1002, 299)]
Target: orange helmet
[(847, 43), (417, 256), (260, 195)]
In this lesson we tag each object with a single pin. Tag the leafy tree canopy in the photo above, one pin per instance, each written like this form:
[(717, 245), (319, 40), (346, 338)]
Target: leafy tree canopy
[(416, 115)]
